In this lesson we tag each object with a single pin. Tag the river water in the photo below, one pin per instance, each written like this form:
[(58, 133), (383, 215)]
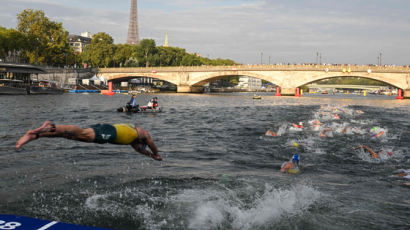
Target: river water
[(219, 170)]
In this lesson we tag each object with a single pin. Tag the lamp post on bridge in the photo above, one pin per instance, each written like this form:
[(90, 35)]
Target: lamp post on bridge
[(318, 58), (261, 57)]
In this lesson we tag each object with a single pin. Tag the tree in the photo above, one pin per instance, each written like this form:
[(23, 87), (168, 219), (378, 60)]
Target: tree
[(171, 56), (191, 60), (123, 52), (146, 52), (47, 40), (12, 41), (101, 51)]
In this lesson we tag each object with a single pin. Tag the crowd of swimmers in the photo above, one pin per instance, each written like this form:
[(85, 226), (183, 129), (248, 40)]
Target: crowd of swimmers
[(327, 123)]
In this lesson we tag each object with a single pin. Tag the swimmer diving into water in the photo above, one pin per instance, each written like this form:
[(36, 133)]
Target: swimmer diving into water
[(120, 134)]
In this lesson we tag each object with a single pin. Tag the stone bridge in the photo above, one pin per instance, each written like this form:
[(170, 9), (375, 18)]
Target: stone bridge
[(287, 77)]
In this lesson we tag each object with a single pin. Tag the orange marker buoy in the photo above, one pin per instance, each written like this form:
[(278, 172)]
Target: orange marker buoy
[(108, 92), (277, 91), (297, 92), (399, 96)]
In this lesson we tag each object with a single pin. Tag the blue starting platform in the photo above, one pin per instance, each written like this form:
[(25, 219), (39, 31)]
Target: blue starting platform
[(28, 223), (84, 91)]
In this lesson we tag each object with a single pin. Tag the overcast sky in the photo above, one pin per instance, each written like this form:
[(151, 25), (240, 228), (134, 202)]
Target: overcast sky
[(342, 31)]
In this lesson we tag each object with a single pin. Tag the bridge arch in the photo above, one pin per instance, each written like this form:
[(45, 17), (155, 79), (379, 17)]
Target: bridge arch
[(370, 76), (127, 76), (206, 78)]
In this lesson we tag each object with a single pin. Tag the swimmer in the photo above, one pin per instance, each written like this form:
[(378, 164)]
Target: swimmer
[(271, 133), (336, 116), (295, 144), (376, 132), (372, 153), (359, 111), (316, 125), (323, 133), (347, 130), (316, 122), (405, 174), (299, 126), (120, 134), (292, 164)]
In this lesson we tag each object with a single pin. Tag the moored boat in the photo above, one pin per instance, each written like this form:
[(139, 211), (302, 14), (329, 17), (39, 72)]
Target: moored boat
[(15, 78), (45, 87), (13, 87)]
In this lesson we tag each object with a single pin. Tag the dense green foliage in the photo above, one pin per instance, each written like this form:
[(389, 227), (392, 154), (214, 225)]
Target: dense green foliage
[(40, 40), (100, 53), (11, 40), (103, 53), (350, 81), (47, 41)]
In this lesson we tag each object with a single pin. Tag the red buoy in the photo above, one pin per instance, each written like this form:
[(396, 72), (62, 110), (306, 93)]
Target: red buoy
[(399, 95), (108, 92), (278, 91), (297, 92)]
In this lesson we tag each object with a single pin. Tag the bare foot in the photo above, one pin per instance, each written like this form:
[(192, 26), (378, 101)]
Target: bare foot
[(29, 136), (46, 127)]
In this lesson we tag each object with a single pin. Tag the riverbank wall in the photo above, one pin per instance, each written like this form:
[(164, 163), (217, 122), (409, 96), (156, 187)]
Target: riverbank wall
[(67, 78)]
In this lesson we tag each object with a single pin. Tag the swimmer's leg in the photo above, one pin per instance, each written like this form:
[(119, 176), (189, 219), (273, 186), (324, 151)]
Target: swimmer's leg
[(29, 136), (46, 127), (71, 132)]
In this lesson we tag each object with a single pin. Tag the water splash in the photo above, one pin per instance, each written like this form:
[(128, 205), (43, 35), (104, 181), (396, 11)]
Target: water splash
[(213, 209)]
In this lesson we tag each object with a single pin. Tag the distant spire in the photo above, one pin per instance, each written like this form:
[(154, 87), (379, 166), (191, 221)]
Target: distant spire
[(133, 36), (166, 44)]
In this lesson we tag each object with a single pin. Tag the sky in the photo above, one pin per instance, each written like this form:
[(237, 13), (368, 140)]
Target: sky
[(246, 31)]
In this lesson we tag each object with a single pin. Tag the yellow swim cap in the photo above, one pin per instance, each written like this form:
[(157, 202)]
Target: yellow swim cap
[(295, 144)]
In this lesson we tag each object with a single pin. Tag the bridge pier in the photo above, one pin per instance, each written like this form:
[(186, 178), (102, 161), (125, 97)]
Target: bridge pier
[(189, 89)]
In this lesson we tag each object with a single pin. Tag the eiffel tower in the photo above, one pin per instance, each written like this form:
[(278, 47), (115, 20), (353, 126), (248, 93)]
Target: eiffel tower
[(133, 36)]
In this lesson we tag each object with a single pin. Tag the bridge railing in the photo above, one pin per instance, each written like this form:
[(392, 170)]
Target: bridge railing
[(307, 67)]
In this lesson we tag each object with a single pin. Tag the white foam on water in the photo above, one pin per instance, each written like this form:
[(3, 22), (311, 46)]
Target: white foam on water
[(116, 203), (282, 129), (213, 209), (95, 202), (295, 129), (319, 151)]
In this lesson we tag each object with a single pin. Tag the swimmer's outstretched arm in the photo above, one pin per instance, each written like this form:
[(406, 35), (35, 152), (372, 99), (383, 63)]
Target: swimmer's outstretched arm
[(139, 148), (374, 155), (146, 137), (357, 147)]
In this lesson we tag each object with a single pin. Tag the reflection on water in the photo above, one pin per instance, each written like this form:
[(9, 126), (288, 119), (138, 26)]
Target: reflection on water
[(219, 169)]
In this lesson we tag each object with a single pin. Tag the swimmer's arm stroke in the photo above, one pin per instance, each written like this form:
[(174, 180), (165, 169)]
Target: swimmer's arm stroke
[(372, 153), (146, 137), (139, 148)]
